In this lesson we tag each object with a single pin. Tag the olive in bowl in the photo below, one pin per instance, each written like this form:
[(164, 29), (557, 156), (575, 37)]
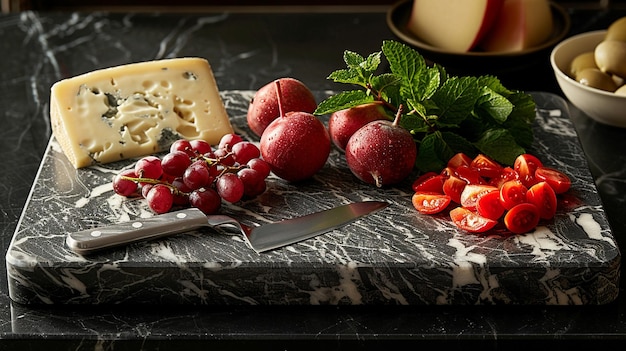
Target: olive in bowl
[(586, 85)]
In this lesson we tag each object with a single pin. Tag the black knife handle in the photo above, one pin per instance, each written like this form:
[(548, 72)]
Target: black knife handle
[(89, 240)]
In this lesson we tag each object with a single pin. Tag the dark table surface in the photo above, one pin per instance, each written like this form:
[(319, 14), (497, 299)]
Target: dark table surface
[(246, 51)]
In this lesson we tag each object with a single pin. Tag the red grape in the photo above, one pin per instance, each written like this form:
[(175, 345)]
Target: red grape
[(259, 165), (200, 146), (245, 151), (229, 140), (160, 198), (230, 187), (149, 167), (125, 187), (197, 175), (253, 182), (175, 163), (225, 157), (206, 200), (145, 188)]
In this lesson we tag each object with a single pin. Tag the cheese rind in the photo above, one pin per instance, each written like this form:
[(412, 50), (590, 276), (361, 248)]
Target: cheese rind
[(136, 109)]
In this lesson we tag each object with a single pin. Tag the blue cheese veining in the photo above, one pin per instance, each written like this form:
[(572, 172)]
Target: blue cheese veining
[(136, 109)]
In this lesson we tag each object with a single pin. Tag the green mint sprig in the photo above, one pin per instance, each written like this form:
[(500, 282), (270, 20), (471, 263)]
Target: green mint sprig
[(445, 114)]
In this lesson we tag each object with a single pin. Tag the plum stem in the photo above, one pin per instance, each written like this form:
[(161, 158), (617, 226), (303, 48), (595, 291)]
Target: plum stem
[(279, 97), (396, 121)]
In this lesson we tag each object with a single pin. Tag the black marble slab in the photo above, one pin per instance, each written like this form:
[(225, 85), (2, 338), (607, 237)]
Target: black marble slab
[(395, 256), (247, 50)]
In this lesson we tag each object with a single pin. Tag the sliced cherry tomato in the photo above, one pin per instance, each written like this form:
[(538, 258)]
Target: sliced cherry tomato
[(469, 175), (472, 192), (525, 165), (421, 179), (558, 180), (471, 221), (488, 205), (486, 167), (543, 196), (433, 183), (506, 174), (459, 159), (522, 218), (512, 193), (453, 187), (448, 171), (429, 202)]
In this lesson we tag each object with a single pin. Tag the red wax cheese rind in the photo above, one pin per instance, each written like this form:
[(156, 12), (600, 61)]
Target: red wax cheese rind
[(521, 24), (454, 25)]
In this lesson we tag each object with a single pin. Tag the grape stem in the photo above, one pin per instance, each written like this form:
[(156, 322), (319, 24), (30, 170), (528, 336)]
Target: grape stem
[(174, 189)]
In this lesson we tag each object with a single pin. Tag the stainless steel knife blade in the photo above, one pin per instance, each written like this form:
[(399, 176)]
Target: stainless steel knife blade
[(261, 238)]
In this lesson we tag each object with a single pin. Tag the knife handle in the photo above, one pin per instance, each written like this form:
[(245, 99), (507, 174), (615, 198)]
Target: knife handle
[(89, 240)]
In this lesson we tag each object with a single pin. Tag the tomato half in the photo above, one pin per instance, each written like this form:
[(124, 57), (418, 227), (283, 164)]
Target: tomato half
[(471, 221), (488, 205), (506, 174), (453, 187), (459, 159), (525, 165), (558, 180), (430, 203), (486, 166), (430, 181), (522, 218), (512, 193), (447, 171), (469, 175), (472, 192), (543, 196)]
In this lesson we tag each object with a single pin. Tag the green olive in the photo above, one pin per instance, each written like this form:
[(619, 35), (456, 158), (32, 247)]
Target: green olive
[(582, 61), (621, 90), (594, 78), (617, 30), (610, 57)]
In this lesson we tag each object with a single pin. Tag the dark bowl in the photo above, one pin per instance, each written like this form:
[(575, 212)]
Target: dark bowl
[(477, 62)]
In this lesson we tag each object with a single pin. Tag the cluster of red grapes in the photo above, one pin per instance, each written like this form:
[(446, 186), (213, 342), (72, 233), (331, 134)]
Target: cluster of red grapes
[(195, 174)]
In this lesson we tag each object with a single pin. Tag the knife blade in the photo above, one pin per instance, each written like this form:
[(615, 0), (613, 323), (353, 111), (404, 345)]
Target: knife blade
[(260, 238)]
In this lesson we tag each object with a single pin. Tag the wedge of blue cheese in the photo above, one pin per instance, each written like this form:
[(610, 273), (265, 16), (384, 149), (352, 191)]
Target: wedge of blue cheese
[(136, 109)]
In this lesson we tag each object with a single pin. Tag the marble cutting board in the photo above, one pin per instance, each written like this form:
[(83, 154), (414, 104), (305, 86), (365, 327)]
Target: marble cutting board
[(394, 256)]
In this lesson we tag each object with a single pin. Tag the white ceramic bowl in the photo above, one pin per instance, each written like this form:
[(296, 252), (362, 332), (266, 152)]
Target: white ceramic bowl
[(604, 107)]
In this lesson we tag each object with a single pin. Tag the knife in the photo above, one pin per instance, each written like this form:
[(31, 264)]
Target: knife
[(261, 238)]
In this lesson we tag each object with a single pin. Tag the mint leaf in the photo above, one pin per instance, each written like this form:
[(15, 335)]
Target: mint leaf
[(500, 145), (456, 143), (495, 105), (494, 84), (456, 99), (521, 119), (414, 124), (438, 147), (342, 101), (361, 66), (417, 80), (388, 87), (352, 59), (445, 114), (433, 153), (371, 63), (348, 76)]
